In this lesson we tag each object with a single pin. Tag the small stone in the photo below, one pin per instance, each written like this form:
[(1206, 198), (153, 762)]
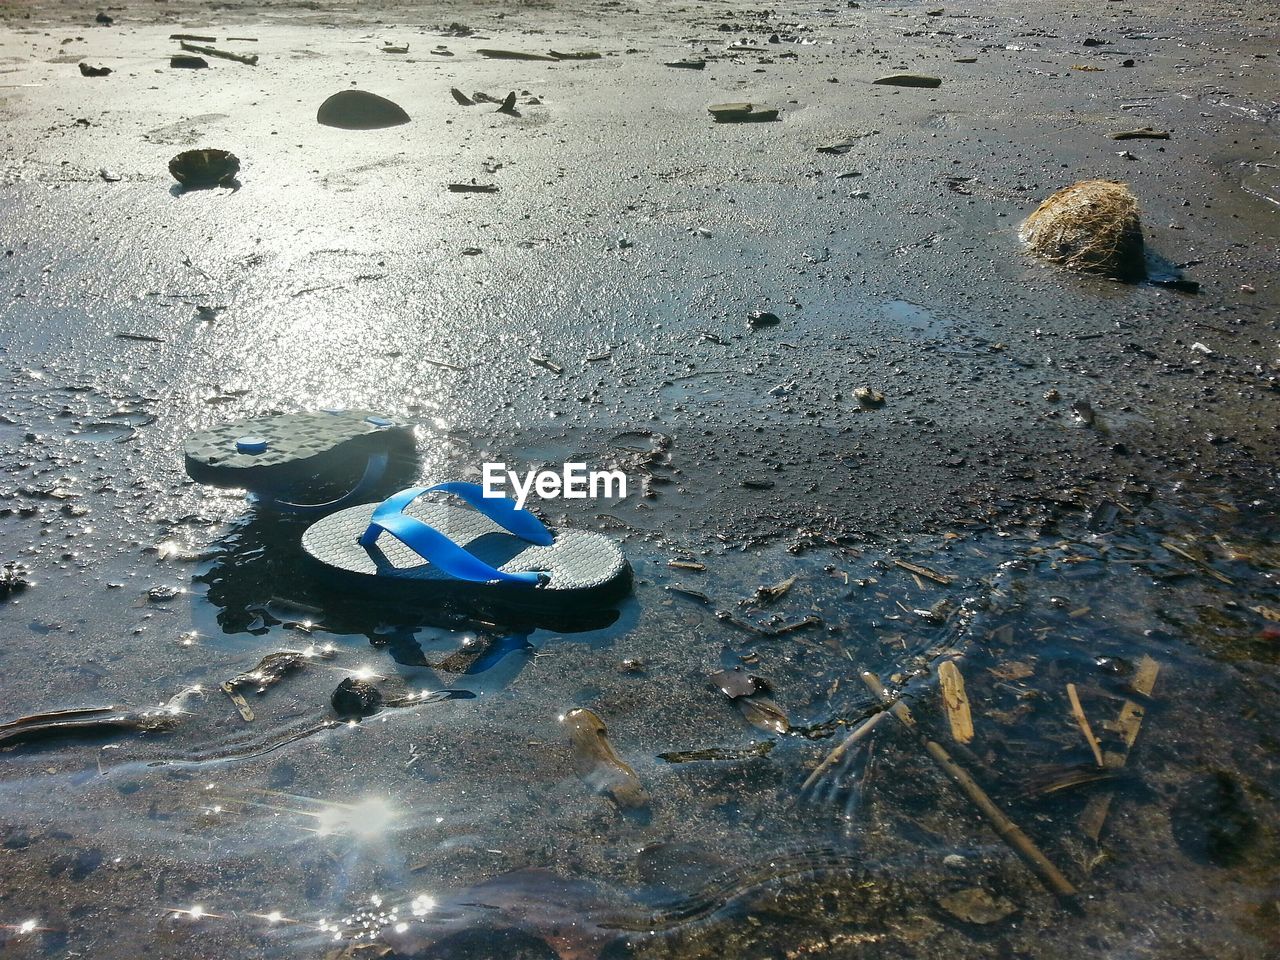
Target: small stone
[(868, 398), (762, 318), (162, 593), (355, 699)]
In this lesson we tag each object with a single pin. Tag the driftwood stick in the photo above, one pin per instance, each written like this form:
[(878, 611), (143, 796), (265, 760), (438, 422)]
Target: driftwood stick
[(1007, 830), (1077, 710), (955, 701), (836, 755), (250, 58)]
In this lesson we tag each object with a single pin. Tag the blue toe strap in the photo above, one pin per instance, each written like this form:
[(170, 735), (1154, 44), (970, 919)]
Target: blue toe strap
[(433, 546)]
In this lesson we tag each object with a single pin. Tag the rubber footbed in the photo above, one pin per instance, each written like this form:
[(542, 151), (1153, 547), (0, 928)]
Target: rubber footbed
[(578, 560)]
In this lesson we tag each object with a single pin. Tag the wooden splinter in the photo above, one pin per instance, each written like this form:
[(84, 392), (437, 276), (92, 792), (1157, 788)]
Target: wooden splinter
[(1077, 710)]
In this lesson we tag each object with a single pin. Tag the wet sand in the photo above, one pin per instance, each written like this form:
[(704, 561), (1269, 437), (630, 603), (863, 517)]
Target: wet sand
[(628, 241)]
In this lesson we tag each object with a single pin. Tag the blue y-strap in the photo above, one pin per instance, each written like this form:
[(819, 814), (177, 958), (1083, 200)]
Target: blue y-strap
[(433, 546)]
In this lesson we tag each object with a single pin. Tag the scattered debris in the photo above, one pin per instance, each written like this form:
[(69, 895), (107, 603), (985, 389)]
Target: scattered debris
[(196, 169), (741, 113), (975, 905), (1127, 725), (866, 397), (767, 595), (86, 720), (749, 694), (1082, 410), (847, 144), (473, 187), (360, 110), (596, 762), (955, 701), (1092, 225), (461, 97), (1142, 133), (576, 55), (139, 337), (250, 59), (762, 318), (109, 175), (88, 71), (509, 105), (493, 54), (1077, 711), (686, 64), (194, 37), (760, 749), (395, 48), (687, 565), (942, 578), (13, 579), (908, 80), (1185, 555), (274, 667), (547, 363), (187, 61)]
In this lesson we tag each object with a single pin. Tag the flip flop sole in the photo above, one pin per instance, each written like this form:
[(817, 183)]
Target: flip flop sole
[(294, 449), (578, 563)]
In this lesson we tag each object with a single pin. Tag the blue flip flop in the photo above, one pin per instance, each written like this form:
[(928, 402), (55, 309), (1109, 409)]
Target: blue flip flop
[(288, 456), (425, 549)]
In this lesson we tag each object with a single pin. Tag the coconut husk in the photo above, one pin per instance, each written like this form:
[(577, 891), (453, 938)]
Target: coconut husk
[(1093, 226)]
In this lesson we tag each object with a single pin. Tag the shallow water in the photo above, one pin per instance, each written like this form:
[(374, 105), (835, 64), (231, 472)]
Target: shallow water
[(462, 822), (459, 827)]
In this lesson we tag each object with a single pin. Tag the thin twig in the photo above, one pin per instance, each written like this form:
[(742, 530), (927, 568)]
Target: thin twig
[(1078, 711)]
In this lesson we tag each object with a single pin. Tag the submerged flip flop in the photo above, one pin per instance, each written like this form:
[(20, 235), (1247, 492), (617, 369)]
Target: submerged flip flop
[(285, 456), (418, 548)]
